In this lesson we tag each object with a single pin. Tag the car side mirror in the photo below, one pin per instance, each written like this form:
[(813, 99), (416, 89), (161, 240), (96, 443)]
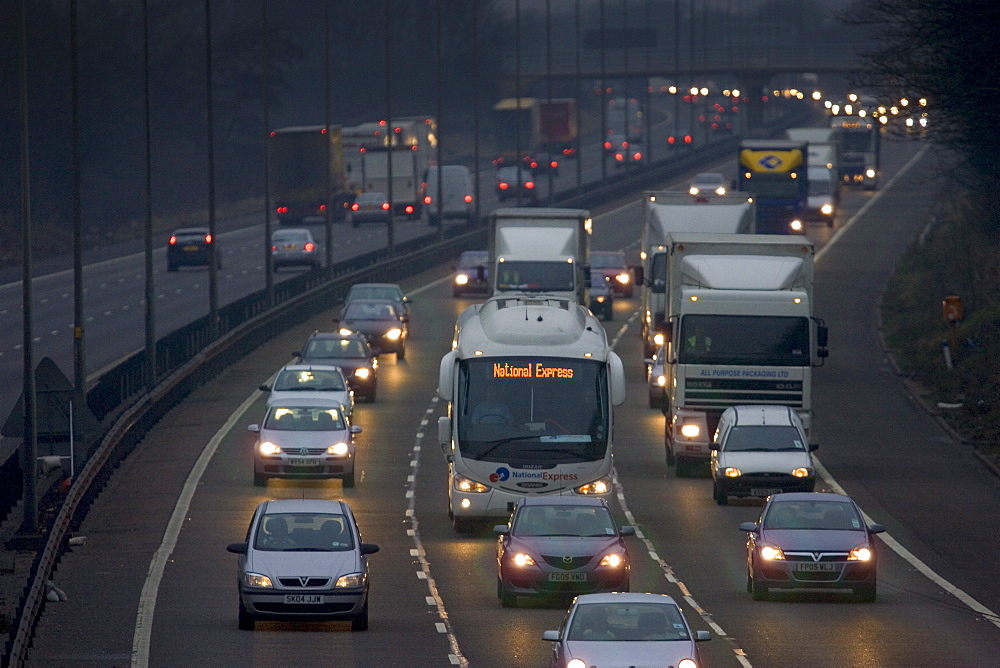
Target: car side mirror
[(876, 528), (501, 530), (296, 353), (748, 526), (264, 388), (813, 447), (551, 636), (369, 548), (255, 428), (715, 446), (702, 636), (626, 531), (355, 429), (237, 548)]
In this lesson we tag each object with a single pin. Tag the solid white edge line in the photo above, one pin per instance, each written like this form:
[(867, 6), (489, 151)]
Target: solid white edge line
[(147, 600), (912, 559)]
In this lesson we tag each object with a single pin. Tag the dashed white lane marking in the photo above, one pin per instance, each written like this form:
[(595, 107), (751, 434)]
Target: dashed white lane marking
[(443, 626), (668, 571)]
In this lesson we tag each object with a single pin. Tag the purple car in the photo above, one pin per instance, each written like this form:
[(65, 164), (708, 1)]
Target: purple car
[(811, 540), (561, 546)]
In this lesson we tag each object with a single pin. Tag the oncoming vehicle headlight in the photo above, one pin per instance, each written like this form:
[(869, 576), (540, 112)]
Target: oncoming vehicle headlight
[(351, 580), (826, 209), (576, 663), (689, 430), (600, 486), (362, 373), (463, 484), (256, 580), (658, 339), (802, 472), (623, 278), (600, 300), (861, 553), (870, 173), (687, 663), (720, 190), (268, 448), (693, 190), (771, 553), (394, 333), (612, 560), (461, 279), (338, 449), (661, 381), (522, 559), (796, 225), (732, 472)]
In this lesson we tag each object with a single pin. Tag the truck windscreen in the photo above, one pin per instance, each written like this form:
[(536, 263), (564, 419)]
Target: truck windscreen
[(532, 410), (744, 340), (535, 276)]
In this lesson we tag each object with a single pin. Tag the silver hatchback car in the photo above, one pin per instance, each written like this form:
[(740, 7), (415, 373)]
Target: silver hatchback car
[(304, 438), (303, 559)]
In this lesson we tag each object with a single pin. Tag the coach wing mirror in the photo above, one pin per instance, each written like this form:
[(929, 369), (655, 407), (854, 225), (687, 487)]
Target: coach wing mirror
[(480, 273)]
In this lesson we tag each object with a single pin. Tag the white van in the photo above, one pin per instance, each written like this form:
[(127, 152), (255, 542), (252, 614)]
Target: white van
[(456, 193), (823, 194)]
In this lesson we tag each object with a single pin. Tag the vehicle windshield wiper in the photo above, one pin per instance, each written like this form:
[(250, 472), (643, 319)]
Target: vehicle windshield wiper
[(564, 451), (505, 441)]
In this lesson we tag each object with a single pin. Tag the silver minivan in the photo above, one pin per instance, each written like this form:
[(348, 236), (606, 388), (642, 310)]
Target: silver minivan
[(456, 193)]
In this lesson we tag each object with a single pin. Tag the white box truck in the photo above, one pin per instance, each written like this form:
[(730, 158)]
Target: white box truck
[(668, 212), (740, 330), (541, 251)]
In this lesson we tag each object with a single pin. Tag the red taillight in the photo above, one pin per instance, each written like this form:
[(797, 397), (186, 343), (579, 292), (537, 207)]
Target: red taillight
[(671, 140), (355, 207), (468, 198), (385, 206), (409, 208), (322, 207), (427, 200), (637, 156), (208, 238), (310, 247), (533, 164), (282, 209), (619, 157), (274, 248), (607, 144), (503, 185), (529, 184), (687, 139), (173, 240)]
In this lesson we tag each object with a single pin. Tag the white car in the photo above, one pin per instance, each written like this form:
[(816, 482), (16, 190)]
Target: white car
[(759, 451), (306, 439), (311, 381), (708, 183), (303, 560), (625, 629)]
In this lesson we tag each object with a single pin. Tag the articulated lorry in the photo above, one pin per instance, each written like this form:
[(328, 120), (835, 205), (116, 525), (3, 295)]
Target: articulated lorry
[(775, 172), (530, 383), (305, 167), (740, 330), (541, 251), (665, 213)]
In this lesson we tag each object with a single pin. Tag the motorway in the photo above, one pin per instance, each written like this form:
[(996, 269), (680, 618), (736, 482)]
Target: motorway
[(154, 585)]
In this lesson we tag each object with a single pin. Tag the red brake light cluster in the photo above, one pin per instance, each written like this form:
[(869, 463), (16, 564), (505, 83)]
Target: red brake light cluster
[(282, 209), (310, 247), (529, 184), (173, 239), (468, 198), (208, 238), (385, 206)]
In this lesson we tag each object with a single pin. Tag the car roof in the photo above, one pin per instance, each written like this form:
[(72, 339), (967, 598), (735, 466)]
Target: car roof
[(625, 597), (311, 367), (709, 176), (763, 414), (306, 402), (470, 254), (305, 505), (336, 335), (191, 230), (562, 501), (375, 285), (372, 194), (791, 497)]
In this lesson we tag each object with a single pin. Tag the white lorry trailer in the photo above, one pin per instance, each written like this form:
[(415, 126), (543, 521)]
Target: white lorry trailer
[(740, 330), (668, 212), (530, 385), (541, 251)]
